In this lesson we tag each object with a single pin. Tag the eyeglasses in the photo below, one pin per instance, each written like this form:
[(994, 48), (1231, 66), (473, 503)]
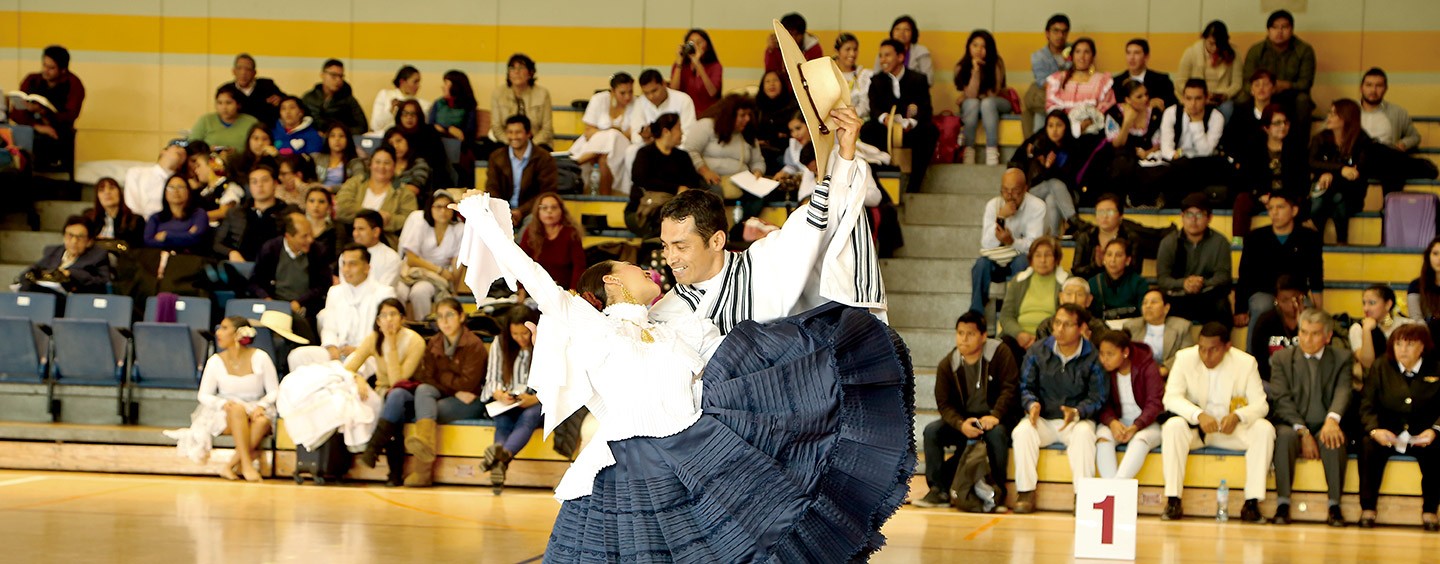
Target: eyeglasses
[(1106, 213), (1193, 215), (447, 315), (332, 74)]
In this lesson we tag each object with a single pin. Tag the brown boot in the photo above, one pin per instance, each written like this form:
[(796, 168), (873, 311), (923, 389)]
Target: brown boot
[(501, 464), (377, 443), (421, 445), (1025, 502)]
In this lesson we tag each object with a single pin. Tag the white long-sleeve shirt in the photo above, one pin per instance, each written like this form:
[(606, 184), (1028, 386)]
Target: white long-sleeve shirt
[(382, 115), (643, 112), (145, 189), (385, 261), (1027, 225), (1195, 140), (349, 313)]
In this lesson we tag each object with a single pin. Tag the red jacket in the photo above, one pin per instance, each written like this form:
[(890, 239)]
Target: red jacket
[(67, 96), (1147, 384)]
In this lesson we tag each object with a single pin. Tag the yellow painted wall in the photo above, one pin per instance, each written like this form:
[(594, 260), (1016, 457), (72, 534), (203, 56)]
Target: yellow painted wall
[(150, 66)]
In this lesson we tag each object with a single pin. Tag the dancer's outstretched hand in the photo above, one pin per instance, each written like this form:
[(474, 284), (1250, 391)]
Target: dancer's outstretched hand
[(848, 130)]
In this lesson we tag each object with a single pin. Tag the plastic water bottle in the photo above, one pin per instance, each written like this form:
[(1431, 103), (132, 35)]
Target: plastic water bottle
[(1222, 502)]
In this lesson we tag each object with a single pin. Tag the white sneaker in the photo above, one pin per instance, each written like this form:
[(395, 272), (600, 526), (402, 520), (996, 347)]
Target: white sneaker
[(992, 156), (967, 155)]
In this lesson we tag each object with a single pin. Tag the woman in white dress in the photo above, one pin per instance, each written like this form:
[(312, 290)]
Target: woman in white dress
[(607, 131), (237, 397), (387, 101), (429, 243), (847, 55)]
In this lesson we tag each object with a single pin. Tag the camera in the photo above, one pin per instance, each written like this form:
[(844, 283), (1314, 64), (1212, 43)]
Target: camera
[(688, 49)]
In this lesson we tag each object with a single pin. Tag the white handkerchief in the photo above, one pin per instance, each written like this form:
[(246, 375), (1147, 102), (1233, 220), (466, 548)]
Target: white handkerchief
[(1403, 442), (759, 187)]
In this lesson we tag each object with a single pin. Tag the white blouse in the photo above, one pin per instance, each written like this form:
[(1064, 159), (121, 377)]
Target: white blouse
[(258, 388), (419, 237), (382, 117), (597, 114)]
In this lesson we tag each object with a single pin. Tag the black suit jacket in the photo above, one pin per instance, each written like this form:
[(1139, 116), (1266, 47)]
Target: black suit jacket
[(262, 282), (1157, 85), (914, 89), (242, 230), (255, 103), (88, 275), (1392, 403), (1290, 381), (539, 175)]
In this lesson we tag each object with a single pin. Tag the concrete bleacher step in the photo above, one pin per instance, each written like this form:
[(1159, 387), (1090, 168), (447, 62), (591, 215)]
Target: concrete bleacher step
[(963, 179), (10, 271), (26, 246), (923, 274), (927, 310), (944, 209), (54, 212), (941, 242), (927, 346)]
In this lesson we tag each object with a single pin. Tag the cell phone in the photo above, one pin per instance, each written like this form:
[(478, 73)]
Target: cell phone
[(1000, 222)]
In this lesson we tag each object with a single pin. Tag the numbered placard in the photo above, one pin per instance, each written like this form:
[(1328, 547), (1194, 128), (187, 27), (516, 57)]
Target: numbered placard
[(1105, 518)]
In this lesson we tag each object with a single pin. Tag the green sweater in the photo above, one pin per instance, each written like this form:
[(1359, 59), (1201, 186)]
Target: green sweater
[(1039, 302), (212, 131)]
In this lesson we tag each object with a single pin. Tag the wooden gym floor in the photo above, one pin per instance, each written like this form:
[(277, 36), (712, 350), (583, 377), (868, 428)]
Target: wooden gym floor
[(74, 517)]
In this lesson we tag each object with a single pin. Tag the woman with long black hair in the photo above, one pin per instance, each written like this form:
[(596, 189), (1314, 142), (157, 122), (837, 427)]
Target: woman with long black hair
[(980, 78)]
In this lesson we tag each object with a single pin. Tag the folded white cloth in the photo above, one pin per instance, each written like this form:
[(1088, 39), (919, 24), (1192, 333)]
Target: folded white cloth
[(318, 399)]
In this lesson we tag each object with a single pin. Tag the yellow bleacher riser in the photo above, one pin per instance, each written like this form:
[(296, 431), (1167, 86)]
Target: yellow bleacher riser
[(1011, 134), (614, 212), (463, 441), (1380, 268), (568, 122), (1366, 231), (1206, 471)]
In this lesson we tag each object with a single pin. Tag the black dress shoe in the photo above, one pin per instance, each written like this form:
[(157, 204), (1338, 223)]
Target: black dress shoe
[(1431, 526), (1367, 523), (1173, 510), (1336, 519), (1282, 515), (1251, 512)]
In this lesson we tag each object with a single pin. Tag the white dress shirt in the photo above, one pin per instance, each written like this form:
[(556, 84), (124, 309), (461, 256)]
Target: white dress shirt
[(643, 112), (1195, 140), (349, 313), (1027, 225), (145, 189), (384, 264)]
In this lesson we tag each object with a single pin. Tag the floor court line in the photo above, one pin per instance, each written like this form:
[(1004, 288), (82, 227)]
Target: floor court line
[(982, 528), (18, 481)]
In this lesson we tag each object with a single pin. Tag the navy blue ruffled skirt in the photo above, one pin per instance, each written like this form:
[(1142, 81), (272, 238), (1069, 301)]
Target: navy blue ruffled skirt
[(805, 448)]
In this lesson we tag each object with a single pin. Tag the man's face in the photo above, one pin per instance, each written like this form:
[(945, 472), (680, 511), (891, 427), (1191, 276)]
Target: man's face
[(889, 59), (1153, 308), (1196, 221), (262, 186), (364, 233), (302, 238), (77, 240), (655, 92), (1289, 303), (244, 72), (1066, 328), (516, 136), (1077, 293), (1282, 212), (1313, 337), (353, 269), (1057, 35), (691, 258), (968, 339), (172, 157), (1373, 88), (332, 78), (1194, 100), (1013, 189), (1281, 32), (1136, 59), (1212, 351), (1262, 89), (49, 70)]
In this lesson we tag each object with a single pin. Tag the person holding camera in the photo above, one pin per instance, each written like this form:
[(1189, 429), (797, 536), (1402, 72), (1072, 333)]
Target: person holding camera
[(697, 70)]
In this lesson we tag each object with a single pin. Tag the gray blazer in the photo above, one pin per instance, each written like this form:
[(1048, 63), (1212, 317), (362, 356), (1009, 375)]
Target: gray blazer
[(1290, 381), (1177, 336)]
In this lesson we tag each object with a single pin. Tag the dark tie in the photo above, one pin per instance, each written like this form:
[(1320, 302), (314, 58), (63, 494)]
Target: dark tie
[(1315, 407)]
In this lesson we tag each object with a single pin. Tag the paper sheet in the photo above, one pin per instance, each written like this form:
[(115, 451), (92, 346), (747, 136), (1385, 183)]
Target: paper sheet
[(759, 187)]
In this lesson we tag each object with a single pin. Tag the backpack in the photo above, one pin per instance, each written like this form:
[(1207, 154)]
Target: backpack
[(568, 180), (947, 146), (973, 489)]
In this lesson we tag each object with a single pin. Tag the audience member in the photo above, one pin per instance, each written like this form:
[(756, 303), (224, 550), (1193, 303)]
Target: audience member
[(1369, 337), (1062, 388), (1291, 61), (552, 238), (1119, 287), (976, 394), (980, 78), (720, 146), (1386, 123), (662, 170), (295, 133), (429, 244), (1080, 85), (1423, 295), (1131, 415), (1133, 128), (331, 164), (1048, 60), (1399, 397), (607, 131), (112, 222), (507, 379), (1279, 249), (397, 351), (425, 143), (294, 268), (54, 124), (259, 97), (798, 141), (351, 305), (412, 169), (1338, 157), (1052, 162), (74, 266), (212, 189), (384, 262), (857, 78), (521, 97), (903, 97), (145, 185), (258, 220), (1212, 59), (387, 101), (657, 99), (697, 70), (380, 192), (1137, 67), (1244, 129), (259, 149), (1011, 223), (226, 126), (456, 115), (179, 226), (522, 171), (1278, 168), (1193, 265), (915, 56), (1034, 294), (237, 396), (1091, 242), (809, 45), (1311, 381), (1279, 327), (1075, 290), (1191, 144), (296, 175), (1164, 335), (451, 376), (331, 100), (774, 110), (319, 208), (1217, 398)]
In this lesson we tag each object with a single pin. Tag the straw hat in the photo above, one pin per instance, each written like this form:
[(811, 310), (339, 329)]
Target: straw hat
[(819, 87), (280, 323)]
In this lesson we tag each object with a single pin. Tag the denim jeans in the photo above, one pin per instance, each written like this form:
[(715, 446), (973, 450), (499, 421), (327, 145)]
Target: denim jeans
[(399, 405), (973, 111), (1059, 204), (986, 271), (513, 428)]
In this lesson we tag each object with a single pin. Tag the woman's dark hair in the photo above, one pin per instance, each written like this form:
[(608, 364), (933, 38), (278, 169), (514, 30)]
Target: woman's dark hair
[(1221, 34), (234, 94), (379, 336), (454, 217), (914, 29), (240, 167), (330, 198), (710, 57), (298, 104), (1429, 292), (1385, 292), (522, 59), (1128, 87), (725, 116), (1411, 332), (97, 213), (665, 121), (987, 69), (1046, 242), (620, 78), (592, 284), (1124, 245), (704, 208), (451, 303), (462, 95), (1349, 113), (1045, 140), (404, 74), (189, 209), (299, 164), (1120, 339), (846, 37), (349, 146), (1268, 114), (409, 142), (1114, 199), (534, 236), (237, 322), (419, 121), (1070, 72), (518, 315)]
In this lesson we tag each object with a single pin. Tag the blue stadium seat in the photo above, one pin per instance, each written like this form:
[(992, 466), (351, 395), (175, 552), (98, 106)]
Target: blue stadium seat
[(22, 357), (161, 364), (251, 309), (191, 312), (93, 324)]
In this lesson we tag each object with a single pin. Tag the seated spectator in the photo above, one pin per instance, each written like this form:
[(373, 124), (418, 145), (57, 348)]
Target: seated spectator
[(1075, 290), (1044, 62), (259, 149), (915, 56), (607, 131), (255, 222), (1119, 289), (1190, 135), (1013, 220), (662, 170), (1218, 401), (412, 169), (331, 100), (975, 392), (1311, 381), (1091, 241), (507, 377), (980, 78), (227, 126), (54, 125), (387, 101), (331, 164), (896, 94), (1193, 265), (259, 97), (213, 191), (1212, 59), (379, 191), (774, 61), (1279, 327), (350, 306), (720, 145), (1389, 410), (456, 116), (1423, 296), (552, 238), (697, 70), (1165, 335), (1390, 127), (296, 175), (237, 396), (1133, 128), (1131, 415), (1244, 129), (429, 244), (521, 97), (1279, 167), (180, 226), (1338, 157), (1062, 388), (75, 266), (452, 377), (774, 109), (1051, 160), (797, 141), (1080, 85), (1034, 294), (1370, 335), (1137, 68), (397, 351), (656, 100), (1271, 253), (368, 231), (293, 268), (522, 171), (425, 143), (295, 132), (1290, 61), (318, 207), (145, 185), (111, 220), (847, 55)]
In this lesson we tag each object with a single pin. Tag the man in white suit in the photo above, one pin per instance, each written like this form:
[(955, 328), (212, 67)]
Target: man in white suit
[(1218, 400)]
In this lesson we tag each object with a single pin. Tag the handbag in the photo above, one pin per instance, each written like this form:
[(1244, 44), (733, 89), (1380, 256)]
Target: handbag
[(1014, 98), (650, 203)]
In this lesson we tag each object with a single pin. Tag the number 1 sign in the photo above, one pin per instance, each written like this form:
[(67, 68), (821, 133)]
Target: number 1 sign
[(1105, 518)]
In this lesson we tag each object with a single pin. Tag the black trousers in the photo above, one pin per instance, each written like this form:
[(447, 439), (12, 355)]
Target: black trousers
[(921, 141), (939, 472), (1373, 457)]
